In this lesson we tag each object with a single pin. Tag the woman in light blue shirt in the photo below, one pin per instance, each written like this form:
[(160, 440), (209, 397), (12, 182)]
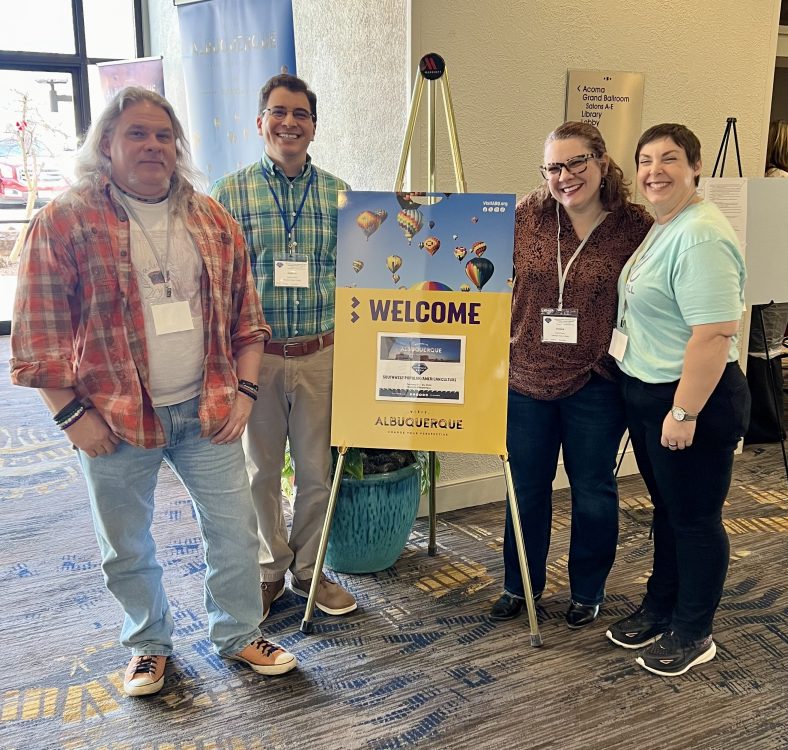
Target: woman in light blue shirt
[(680, 301)]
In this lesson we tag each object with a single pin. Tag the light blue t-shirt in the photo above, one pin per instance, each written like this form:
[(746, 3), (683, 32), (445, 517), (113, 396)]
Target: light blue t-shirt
[(687, 272)]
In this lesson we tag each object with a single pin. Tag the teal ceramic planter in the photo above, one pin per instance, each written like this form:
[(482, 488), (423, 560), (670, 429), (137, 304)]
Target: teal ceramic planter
[(372, 520)]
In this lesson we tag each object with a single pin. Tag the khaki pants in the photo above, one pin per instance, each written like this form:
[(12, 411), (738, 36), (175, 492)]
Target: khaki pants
[(294, 401)]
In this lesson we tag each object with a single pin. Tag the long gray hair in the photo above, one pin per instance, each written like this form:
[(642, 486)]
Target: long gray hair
[(91, 164)]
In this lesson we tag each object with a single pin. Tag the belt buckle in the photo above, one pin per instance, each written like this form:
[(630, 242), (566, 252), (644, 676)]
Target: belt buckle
[(286, 346)]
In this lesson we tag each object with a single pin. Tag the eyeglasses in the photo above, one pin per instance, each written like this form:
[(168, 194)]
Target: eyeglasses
[(575, 165), (302, 115)]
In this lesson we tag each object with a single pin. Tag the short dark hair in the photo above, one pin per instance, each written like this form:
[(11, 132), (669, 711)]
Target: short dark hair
[(291, 83), (681, 135)]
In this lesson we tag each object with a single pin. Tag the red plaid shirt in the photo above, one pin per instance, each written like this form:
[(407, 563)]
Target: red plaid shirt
[(78, 317)]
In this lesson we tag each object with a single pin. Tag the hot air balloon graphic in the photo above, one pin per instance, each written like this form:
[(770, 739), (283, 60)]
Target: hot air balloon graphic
[(479, 271), (479, 248), (460, 252), (395, 278), (465, 287), (431, 225), (393, 263), (358, 265), (474, 220), (410, 221), (431, 245), (455, 236), (382, 215), (431, 286), (368, 222), (510, 283)]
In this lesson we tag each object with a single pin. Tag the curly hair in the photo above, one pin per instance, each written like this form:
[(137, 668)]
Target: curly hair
[(777, 149), (91, 165), (614, 192)]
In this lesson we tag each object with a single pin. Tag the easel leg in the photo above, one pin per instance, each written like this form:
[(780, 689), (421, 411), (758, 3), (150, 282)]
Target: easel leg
[(432, 547), (536, 637), (772, 385), (306, 623)]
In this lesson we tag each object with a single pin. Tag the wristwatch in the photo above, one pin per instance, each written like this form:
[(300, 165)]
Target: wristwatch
[(680, 415)]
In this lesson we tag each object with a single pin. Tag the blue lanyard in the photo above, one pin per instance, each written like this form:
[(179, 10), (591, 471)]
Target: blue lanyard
[(291, 243)]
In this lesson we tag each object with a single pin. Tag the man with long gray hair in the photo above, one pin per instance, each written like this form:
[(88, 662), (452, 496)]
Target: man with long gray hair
[(137, 318)]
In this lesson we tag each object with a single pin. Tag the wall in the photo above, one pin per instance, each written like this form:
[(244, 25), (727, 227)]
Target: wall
[(507, 62)]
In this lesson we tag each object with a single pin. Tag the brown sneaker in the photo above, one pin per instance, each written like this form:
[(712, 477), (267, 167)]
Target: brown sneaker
[(266, 658), (331, 597), (144, 675), (271, 591)]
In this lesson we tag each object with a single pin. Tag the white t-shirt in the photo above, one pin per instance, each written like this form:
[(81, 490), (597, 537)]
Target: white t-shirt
[(175, 360)]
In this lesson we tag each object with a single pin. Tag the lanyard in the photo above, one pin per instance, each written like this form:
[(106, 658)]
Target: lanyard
[(562, 273), (291, 243), (162, 262)]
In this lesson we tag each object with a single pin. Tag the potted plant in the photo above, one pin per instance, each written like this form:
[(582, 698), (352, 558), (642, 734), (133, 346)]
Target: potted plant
[(376, 507)]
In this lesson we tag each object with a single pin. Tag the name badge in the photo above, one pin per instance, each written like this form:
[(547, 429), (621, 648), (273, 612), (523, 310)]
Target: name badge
[(559, 326), (172, 317), (618, 345), (291, 270)]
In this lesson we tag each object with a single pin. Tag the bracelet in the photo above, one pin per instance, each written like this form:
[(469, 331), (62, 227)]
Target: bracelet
[(253, 386), (71, 408), (72, 419), (247, 392)]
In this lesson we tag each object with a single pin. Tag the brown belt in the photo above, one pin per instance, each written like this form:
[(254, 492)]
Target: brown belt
[(300, 348)]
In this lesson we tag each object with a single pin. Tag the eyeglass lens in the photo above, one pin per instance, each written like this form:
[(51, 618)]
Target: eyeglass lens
[(279, 113)]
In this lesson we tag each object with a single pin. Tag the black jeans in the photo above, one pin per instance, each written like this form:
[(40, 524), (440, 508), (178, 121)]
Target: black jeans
[(688, 488)]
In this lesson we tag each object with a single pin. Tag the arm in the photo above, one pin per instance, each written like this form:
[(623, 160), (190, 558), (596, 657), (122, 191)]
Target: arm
[(704, 362), (90, 433), (247, 368)]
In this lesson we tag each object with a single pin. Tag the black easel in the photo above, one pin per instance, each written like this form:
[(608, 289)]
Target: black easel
[(730, 126)]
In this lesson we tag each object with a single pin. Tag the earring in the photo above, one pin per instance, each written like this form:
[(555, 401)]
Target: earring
[(602, 184)]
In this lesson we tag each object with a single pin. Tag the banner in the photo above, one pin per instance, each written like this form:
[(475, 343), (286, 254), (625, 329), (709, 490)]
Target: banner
[(230, 49), (423, 310), (147, 72), (613, 101)]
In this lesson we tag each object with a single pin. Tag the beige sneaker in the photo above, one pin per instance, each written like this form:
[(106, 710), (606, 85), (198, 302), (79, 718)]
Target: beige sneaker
[(331, 597), (266, 658), (271, 591), (144, 675)]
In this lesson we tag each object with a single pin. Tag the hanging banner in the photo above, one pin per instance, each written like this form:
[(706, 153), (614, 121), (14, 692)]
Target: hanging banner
[(423, 311), (613, 101), (230, 49), (147, 72)]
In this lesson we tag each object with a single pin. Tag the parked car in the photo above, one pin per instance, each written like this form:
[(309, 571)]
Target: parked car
[(14, 181)]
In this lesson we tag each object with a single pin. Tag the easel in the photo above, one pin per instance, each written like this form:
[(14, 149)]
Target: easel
[(730, 127), (432, 70)]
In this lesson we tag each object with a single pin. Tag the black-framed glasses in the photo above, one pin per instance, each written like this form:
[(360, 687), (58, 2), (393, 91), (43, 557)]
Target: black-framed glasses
[(299, 114), (575, 165)]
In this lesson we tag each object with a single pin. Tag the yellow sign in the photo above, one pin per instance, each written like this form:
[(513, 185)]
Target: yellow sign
[(425, 365)]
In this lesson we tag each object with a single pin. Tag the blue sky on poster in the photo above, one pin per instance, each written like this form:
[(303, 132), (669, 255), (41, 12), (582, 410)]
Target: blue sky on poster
[(388, 259)]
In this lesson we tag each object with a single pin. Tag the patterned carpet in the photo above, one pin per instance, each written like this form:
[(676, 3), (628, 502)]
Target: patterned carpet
[(418, 666)]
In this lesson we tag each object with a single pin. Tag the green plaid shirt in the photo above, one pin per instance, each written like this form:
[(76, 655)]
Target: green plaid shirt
[(290, 311)]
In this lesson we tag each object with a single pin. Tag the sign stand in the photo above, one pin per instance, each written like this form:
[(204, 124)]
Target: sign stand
[(432, 69)]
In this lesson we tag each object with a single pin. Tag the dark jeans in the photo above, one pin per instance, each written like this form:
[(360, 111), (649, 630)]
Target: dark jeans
[(588, 425), (688, 488)]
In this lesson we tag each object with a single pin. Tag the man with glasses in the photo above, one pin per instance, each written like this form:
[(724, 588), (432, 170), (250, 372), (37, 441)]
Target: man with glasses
[(287, 208)]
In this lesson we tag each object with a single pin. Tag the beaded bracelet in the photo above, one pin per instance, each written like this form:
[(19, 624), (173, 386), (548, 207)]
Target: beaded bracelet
[(247, 392), (68, 410), (248, 384), (72, 419)]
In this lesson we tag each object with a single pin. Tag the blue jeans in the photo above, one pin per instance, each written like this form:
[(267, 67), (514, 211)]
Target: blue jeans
[(121, 487), (588, 425), (688, 489)]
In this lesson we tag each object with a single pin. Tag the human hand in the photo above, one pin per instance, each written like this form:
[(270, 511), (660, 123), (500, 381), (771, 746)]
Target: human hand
[(235, 423), (91, 434), (677, 436)]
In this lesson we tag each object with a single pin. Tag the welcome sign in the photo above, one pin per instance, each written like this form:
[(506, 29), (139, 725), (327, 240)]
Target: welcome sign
[(423, 311)]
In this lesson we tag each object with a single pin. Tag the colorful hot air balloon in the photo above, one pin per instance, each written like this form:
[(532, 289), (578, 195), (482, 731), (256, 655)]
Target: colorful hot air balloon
[(382, 215), (410, 221), (368, 222), (358, 265), (479, 248), (395, 278), (465, 287), (393, 263), (431, 286), (460, 252), (479, 271), (431, 245)]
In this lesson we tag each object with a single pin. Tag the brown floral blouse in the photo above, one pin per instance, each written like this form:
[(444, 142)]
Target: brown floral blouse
[(548, 371)]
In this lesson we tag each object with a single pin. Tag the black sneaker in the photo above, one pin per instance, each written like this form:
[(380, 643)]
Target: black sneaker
[(672, 655), (639, 629)]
